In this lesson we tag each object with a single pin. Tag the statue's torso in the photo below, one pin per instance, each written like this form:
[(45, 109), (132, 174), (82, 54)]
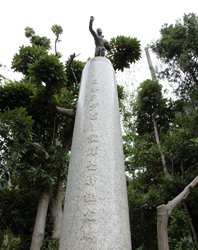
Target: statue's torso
[(100, 41)]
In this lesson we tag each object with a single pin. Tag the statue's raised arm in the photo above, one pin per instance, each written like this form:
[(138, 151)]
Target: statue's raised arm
[(100, 42), (90, 27)]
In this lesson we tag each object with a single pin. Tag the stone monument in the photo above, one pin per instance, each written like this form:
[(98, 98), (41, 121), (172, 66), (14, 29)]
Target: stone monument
[(96, 207)]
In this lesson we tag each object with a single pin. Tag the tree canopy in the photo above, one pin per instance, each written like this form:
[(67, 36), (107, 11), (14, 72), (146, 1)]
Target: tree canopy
[(162, 133), (124, 51), (178, 49)]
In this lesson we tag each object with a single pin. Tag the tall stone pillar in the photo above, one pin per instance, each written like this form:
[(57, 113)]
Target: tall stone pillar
[(96, 207)]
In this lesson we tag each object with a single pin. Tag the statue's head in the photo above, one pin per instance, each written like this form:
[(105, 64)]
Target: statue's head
[(99, 31)]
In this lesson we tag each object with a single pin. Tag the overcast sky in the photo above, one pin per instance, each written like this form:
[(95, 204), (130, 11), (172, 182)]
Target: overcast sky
[(141, 19)]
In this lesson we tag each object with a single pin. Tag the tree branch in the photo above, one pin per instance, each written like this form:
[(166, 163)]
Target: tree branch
[(153, 179), (182, 169), (164, 212), (55, 45), (66, 112), (182, 196), (70, 67), (172, 166), (166, 173), (192, 229)]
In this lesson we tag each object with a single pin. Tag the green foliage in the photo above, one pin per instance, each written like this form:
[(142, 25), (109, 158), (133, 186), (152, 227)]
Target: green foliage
[(29, 128), (18, 210), (142, 155), (50, 70), (41, 41), (37, 40), (27, 56), (57, 30), (14, 95), (177, 125), (178, 226), (149, 96), (185, 244), (10, 244), (1, 76), (140, 248), (150, 103), (178, 230), (15, 132), (66, 98), (44, 167), (29, 32), (50, 244), (16, 123), (124, 51), (142, 213), (143, 201), (178, 49), (122, 95), (180, 145)]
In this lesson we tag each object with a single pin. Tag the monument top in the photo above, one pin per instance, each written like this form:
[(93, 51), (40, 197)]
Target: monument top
[(100, 58), (101, 44)]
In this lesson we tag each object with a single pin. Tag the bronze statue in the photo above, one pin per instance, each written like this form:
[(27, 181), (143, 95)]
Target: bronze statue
[(101, 43)]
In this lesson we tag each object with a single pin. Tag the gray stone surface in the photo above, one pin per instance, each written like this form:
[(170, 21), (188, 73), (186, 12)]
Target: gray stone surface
[(96, 207)]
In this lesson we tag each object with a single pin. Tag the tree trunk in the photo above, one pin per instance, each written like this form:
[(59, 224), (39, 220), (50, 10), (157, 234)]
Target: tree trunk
[(166, 173), (38, 233), (163, 213), (56, 199), (56, 209), (192, 229), (162, 223)]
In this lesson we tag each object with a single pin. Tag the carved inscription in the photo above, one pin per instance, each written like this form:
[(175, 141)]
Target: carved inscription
[(93, 138), (94, 89), (92, 164), (91, 167), (89, 214), (94, 116), (93, 106), (90, 179), (94, 81), (93, 150), (89, 233), (90, 196), (92, 97)]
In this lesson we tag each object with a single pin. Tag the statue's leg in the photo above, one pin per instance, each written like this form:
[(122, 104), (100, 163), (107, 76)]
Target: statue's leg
[(97, 52), (102, 51)]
